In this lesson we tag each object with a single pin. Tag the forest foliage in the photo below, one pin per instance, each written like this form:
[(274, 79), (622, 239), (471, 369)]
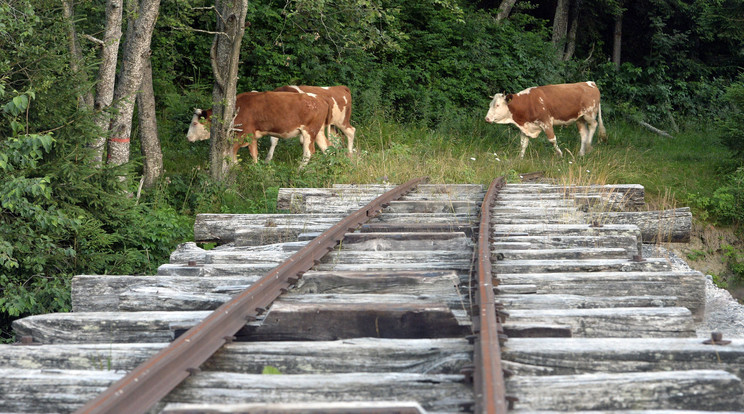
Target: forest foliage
[(425, 63)]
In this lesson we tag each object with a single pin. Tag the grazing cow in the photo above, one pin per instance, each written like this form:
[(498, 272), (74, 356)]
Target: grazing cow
[(339, 101), (541, 107), (279, 114)]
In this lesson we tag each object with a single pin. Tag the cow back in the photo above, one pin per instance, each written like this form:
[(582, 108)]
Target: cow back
[(562, 102)]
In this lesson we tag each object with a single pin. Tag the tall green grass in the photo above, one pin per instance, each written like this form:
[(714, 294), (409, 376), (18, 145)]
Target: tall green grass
[(469, 150)]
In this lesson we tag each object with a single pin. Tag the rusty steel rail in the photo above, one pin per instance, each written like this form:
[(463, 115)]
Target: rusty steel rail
[(488, 377), (155, 378)]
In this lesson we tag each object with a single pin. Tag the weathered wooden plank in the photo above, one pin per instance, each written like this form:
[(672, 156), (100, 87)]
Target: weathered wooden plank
[(688, 287), (571, 356), (553, 301), (422, 189), (361, 407), (250, 235), (450, 297), (588, 265), (104, 327), (613, 322), (465, 227), (221, 227), (189, 253), (406, 241), (629, 242), (65, 391), (433, 206), (302, 200), (427, 259), (287, 321), (258, 229), (424, 356), (434, 392), (624, 196), (556, 229), (672, 225), (95, 357), (216, 270), (711, 390), (51, 390), (414, 282), (580, 253), (92, 293)]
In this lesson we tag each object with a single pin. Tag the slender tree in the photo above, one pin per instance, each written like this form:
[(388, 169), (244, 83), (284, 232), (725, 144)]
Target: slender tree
[(106, 72), (617, 39), (225, 55), (572, 31), (504, 9), (136, 54), (148, 129), (560, 26), (85, 100)]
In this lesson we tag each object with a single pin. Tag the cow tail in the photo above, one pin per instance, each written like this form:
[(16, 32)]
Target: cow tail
[(602, 130)]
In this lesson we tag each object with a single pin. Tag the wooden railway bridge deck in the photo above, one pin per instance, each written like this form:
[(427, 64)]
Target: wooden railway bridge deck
[(382, 323)]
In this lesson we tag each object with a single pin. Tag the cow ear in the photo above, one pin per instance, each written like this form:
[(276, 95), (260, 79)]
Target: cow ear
[(509, 97), (197, 111)]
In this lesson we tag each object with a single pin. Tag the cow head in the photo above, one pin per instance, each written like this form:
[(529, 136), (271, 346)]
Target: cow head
[(199, 128), (499, 112)]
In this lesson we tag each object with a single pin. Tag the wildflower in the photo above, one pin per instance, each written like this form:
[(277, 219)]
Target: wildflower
[(472, 158)]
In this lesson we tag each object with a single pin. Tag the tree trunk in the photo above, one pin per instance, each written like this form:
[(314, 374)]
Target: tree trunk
[(107, 74), (148, 129), (225, 54), (136, 53), (617, 40), (505, 9), (571, 41), (560, 26), (85, 100)]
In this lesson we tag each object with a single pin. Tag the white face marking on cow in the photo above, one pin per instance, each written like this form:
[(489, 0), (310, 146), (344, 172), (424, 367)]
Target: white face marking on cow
[(498, 112), (197, 130)]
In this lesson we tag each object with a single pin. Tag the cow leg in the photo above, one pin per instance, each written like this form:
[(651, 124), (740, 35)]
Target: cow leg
[(254, 149), (586, 141), (270, 155), (592, 124), (320, 139), (551, 138), (525, 141), (349, 131), (306, 141)]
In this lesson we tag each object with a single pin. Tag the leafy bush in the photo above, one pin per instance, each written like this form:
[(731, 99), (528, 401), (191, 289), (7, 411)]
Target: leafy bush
[(732, 126), (61, 217)]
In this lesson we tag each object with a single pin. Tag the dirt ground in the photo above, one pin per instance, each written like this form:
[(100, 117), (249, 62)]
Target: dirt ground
[(705, 253)]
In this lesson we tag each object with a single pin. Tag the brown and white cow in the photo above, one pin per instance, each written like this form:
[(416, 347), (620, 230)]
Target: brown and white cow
[(279, 114), (339, 101), (539, 108)]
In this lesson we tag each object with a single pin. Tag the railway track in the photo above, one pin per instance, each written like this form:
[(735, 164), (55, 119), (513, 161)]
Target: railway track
[(402, 314)]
